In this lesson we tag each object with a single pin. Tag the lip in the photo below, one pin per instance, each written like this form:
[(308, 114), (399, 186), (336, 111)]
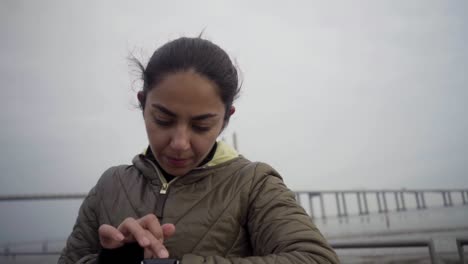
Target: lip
[(178, 163)]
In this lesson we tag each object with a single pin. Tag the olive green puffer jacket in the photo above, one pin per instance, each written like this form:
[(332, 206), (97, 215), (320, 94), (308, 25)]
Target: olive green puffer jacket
[(228, 211)]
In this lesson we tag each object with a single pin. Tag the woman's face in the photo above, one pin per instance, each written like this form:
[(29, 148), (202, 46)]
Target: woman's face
[(183, 117)]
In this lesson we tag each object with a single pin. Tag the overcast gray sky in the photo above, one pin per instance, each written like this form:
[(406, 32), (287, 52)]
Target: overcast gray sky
[(336, 95)]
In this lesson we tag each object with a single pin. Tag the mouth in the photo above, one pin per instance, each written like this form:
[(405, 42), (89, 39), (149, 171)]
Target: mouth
[(177, 162)]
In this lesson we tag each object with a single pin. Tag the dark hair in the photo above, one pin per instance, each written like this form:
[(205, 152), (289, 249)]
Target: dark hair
[(200, 55)]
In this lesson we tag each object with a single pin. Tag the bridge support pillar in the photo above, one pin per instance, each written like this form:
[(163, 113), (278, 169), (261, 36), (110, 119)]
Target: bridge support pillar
[(338, 207), (366, 207), (379, 206), (423, 201), (6, 250), (397, 202), (403, 203), (345, 209), (44, 247), (358, 196), (416, 196), (449, 196), (322, 206), (311, 205), (384, 198)]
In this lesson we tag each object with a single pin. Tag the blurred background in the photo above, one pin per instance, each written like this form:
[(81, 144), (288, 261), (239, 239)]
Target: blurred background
[(337, 96)]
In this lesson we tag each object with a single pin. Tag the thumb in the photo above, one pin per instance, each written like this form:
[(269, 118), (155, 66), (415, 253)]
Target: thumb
[(168, 230)]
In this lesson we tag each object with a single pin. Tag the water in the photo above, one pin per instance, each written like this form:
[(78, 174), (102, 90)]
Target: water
[(37, 220), (442, 225), (411, 222), (53, 220)]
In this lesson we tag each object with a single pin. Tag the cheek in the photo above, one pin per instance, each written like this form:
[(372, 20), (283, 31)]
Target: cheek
[(202, 145), (157, 138)]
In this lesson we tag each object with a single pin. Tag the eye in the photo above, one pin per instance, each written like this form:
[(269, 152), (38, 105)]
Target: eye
[(162, 122), (200, 129)]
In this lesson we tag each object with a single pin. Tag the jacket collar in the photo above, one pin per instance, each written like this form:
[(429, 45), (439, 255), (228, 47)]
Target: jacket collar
[(224, 154)]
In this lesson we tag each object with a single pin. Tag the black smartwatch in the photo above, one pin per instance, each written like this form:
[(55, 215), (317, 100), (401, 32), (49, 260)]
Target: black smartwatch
[(160, 261)]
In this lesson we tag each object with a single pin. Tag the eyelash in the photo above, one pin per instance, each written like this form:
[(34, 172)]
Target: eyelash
[(162, 122), (168, 123), (200, 128)]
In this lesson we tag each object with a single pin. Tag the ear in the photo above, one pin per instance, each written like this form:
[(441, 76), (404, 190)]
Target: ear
[(141, 98), (232, 110)]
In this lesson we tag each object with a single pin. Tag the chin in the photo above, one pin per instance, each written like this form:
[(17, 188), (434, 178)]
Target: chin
[(177, 172)]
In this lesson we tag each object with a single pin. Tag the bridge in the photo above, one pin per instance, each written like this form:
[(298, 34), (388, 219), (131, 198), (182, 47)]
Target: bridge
[(342, 199)]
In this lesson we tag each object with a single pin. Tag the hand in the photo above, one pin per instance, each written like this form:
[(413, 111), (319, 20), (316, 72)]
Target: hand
[(147, 231)]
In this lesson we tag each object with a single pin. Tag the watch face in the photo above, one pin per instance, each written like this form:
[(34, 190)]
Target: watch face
[(159, 261)]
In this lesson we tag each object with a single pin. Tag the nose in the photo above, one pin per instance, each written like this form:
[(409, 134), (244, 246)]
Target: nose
[(180, 140)]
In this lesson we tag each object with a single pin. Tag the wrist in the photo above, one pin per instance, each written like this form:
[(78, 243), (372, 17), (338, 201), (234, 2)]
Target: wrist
[(128, 253), (160, 261)]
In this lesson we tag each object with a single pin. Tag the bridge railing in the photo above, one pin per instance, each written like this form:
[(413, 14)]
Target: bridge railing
[(460, 244), (9, 252)]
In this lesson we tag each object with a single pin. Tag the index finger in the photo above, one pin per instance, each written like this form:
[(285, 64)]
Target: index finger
[(110, 237), (131, 227), (151, 223)]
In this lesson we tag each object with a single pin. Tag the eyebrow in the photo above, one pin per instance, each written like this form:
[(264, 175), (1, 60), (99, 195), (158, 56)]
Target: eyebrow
[(172, 114)]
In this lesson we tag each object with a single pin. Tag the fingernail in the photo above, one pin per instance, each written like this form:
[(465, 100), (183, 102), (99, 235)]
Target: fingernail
[(163, 253), (119, 237), (145, 241)]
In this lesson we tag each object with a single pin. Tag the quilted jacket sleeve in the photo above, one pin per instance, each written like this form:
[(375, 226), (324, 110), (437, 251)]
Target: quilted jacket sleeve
[(280, 229), (83, 244)]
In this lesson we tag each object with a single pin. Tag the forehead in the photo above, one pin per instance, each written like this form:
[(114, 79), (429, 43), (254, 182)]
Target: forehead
[(186, 91)]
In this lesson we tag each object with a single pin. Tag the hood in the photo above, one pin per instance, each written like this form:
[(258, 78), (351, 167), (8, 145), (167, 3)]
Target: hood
[(224, 153)]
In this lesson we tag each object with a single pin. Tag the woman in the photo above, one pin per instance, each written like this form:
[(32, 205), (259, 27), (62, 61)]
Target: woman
[(189, 198)]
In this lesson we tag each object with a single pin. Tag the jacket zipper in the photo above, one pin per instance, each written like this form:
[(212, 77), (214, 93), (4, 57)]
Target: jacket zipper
[(163, 192), (164, 187)]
